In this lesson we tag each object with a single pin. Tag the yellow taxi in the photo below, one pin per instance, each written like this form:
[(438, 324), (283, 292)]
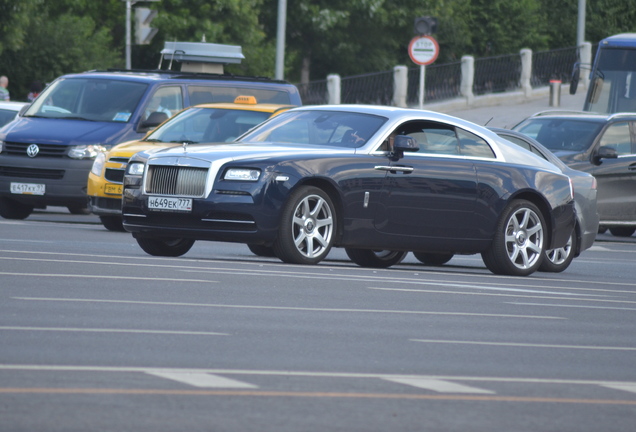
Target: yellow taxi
[(205, 123)]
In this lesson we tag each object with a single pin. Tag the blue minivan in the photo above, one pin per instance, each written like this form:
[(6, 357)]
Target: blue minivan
[(47, 152)]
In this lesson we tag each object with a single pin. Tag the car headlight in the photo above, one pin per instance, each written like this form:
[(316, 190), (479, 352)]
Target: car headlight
[(98, 165), (245, 174), (136, 168), (1, 146), (86, 151)]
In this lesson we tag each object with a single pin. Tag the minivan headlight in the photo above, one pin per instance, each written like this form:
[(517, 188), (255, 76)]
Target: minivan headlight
[(136, 168), (98, 165), (1, 145), (86, 151)]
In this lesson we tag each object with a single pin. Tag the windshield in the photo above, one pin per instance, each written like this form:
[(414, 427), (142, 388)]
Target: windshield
[(613, 85), (196, 125), (89, 99), (562, 134), (332, 128)]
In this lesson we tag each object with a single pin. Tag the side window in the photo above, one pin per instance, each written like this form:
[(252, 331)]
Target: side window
[(472, 145), (167, 100), (617, 136)]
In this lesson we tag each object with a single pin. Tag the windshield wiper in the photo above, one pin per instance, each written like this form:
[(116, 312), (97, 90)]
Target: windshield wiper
[(78, 118), (153, 140), (185, 142)]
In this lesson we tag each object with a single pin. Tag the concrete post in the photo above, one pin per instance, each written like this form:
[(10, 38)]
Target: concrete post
[(468, 78), (400, 85), (586, 64), (333, 89), (526, 71)]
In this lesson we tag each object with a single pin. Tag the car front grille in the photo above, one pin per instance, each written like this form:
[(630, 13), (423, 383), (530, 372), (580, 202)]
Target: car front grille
[(45, 150), (114, 175), (174, 180), (31, 173)]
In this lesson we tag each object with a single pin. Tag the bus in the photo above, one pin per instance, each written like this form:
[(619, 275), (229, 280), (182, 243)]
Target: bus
[(612, 86)]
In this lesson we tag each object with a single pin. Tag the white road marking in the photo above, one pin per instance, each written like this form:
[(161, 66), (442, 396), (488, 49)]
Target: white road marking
[(526, 345), (107, 330), (483, 287), (210, 305), (440, 386), (91, 276), (572, 306), (628, 387), (202, 380)]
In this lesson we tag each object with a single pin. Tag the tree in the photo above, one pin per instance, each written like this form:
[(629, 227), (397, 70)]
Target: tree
[(15, 20)]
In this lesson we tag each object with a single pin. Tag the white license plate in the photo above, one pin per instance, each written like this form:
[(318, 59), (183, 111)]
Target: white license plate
[(27, 188), (170, 204)]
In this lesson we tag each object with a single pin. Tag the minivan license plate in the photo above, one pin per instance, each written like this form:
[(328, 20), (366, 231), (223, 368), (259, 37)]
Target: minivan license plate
[(27, 188), (170, 204)]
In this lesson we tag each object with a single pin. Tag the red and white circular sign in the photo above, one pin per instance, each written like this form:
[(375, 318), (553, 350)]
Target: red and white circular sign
[(423, 50)]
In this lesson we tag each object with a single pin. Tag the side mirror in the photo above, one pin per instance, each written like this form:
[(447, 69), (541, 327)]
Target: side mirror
[(404, 143), (154, 120), (605, 152), (576, 74)]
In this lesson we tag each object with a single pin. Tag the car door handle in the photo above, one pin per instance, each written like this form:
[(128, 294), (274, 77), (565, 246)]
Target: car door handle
[(403, 169)]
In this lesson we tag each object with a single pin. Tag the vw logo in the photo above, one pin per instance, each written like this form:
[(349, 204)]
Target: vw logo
[(33, 150)]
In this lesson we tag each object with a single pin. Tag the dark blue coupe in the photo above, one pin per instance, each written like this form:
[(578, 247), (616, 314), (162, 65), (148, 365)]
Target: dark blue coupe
[(370, 179)]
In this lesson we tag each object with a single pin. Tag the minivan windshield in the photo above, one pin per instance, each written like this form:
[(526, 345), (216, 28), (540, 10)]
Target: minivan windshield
[(89, 99)]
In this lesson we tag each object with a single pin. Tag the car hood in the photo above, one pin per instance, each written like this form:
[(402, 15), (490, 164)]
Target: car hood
[(63, 132), (131, 147), (238, 151)]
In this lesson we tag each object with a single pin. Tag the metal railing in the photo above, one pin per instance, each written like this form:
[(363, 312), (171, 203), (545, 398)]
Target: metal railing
[(442, 82)]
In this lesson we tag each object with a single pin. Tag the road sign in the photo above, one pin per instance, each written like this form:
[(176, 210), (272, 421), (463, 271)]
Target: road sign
[(423, 50)]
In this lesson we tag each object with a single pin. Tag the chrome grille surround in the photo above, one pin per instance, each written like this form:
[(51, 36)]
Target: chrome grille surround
[(181, 177)]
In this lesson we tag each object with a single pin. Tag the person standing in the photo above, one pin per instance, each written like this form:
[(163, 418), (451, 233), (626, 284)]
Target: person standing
[(36, 88), (4, 93)]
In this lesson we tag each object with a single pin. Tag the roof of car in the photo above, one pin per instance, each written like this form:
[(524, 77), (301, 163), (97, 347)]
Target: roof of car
[(12, 105), (591, 116), (156, 75)]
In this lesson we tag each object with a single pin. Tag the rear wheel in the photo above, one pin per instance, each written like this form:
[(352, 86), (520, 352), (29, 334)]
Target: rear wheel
[(112, 223), (557, 260), (10, 209), (307, 228), (518, 244), (434, 259), (622, 231), (375, 258), (165, 246)]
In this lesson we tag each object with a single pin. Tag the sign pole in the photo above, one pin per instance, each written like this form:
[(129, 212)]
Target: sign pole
[(422, 87), (423, 50)]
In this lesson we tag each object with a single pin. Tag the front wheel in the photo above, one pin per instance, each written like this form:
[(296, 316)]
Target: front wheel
[(164, 246), (307, 227), (10, 209), (112, 223), (375, 258), (557, 260), (518, 245)]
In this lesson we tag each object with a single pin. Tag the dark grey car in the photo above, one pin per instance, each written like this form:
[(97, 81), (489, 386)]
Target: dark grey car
[(603, 145), (585, 199)]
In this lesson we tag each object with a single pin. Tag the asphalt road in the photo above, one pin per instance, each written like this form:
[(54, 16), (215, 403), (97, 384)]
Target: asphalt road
[(95, 335)]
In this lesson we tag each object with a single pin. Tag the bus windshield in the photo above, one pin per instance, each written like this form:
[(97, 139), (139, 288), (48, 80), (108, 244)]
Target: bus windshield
[(613, 81)]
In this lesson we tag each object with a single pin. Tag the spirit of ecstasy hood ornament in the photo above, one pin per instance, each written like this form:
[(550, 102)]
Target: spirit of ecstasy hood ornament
[(185, 146)]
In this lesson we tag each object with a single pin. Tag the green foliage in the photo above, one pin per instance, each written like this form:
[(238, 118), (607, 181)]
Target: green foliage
[(42, 39)]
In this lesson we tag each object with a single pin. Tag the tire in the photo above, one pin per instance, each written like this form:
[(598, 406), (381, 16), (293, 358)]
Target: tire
[(10, 209), (518, 246), (164, 246), (112, 223), (622, 231), (262, 251), (434, 259), (557, 260), (375, 258), (307, 227), (78, 210)]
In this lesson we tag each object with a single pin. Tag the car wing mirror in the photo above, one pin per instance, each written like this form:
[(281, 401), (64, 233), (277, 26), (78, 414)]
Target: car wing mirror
[(574, 82), (404, 143), (605, 152), (154, 120), (23, 110)]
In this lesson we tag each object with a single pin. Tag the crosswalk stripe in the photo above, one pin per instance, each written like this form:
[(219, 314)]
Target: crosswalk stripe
[(439, 386), (203, 380)]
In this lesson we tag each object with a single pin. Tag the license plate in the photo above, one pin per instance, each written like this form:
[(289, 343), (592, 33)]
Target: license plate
[(27, 188), (170, 204), (113, 189)]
